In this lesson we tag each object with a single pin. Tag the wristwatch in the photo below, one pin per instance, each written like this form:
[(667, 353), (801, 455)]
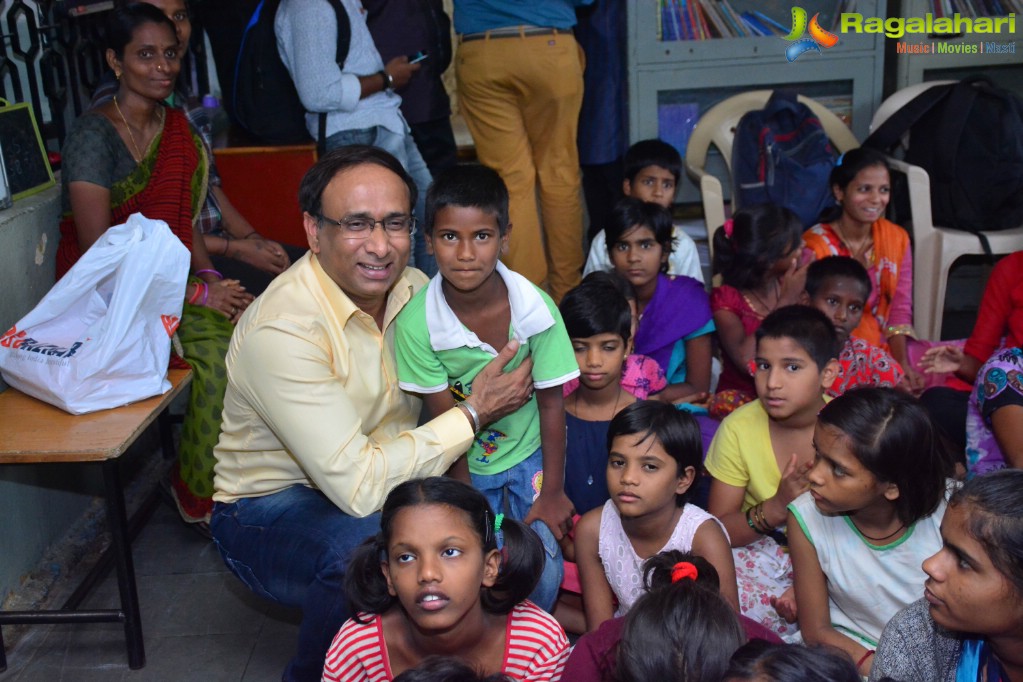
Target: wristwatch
[(388, 81)]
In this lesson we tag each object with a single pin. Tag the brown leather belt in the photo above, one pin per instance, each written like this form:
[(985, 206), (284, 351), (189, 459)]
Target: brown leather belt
[(513, 32)]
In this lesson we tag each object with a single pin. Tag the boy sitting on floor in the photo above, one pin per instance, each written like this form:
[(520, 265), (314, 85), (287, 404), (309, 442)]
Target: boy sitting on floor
[(652, 172), (839, 287)]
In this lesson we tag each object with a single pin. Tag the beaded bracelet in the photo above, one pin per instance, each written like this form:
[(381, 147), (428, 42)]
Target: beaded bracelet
[(210, 271)]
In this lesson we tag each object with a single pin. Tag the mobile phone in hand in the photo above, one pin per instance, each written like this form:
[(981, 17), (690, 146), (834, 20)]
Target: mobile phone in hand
[(417, 57)]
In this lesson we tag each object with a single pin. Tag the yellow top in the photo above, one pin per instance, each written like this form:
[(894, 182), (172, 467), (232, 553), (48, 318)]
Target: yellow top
[(741, 454)]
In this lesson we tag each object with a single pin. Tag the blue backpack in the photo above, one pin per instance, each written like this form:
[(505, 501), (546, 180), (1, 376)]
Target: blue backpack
[(782, 155), (264, 100)]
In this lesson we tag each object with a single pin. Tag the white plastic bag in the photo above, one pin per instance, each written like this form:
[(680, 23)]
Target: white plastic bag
[(101, 337)]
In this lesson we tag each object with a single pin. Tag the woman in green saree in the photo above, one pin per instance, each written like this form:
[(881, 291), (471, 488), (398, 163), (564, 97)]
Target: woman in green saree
[(134, 154)]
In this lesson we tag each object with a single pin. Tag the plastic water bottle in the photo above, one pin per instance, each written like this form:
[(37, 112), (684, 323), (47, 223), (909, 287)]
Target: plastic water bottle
[(218, 119)]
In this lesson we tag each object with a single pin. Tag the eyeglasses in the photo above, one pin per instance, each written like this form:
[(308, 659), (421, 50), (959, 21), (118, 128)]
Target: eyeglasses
[(360, 227)]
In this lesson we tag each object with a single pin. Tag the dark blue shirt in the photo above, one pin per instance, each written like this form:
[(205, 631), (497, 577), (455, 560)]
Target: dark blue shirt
[(476, 16)]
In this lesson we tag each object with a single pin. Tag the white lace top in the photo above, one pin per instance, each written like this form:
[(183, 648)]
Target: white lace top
[(623, 567)]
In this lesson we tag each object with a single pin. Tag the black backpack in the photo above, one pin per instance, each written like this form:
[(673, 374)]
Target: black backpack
[(263, 99), (781, 154), (968, 136)]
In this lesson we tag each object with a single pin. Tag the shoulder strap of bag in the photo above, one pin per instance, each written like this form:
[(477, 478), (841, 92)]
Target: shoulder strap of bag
[(888, 133), (952, 125), (950, 129), (344, 40)]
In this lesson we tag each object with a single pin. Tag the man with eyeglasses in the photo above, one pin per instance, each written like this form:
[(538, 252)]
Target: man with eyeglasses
[(316, 431)]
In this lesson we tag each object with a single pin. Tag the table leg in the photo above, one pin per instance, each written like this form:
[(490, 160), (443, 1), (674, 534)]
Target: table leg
[(166, 424), (118, 519)]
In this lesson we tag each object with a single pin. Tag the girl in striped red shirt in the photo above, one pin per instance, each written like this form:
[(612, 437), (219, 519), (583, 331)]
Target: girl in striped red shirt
[(444, 577)]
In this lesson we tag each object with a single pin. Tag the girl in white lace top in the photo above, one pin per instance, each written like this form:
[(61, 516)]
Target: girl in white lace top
[(654, 456)]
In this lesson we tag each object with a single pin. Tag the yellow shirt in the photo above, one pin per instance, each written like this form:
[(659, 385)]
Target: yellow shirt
[(313, 399), (741, 454)]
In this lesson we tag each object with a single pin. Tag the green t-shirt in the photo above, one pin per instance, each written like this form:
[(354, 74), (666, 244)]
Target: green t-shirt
[(422, 369)]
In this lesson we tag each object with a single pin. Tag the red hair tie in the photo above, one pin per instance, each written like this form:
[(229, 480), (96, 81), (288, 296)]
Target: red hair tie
[(728, 227), (683, 570)]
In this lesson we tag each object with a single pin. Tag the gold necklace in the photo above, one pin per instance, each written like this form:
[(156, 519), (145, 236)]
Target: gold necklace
[(861, 250), (131, 136), (761, 301)]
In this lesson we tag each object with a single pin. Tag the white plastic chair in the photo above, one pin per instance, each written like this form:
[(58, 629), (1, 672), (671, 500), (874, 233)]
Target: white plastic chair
[(717, 127), (935, 248)]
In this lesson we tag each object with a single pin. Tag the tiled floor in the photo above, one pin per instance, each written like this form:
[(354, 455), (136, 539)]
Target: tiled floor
[(198, 620)]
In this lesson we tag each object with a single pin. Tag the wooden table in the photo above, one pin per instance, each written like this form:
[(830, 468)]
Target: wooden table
[(35, 432)]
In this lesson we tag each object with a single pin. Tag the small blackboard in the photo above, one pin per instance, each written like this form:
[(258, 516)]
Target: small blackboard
[(28, 169)]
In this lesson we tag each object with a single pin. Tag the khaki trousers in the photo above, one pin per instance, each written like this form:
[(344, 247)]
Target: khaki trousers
[(520, 97)]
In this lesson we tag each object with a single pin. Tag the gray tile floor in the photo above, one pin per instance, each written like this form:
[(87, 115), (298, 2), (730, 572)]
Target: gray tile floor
[(198, 620)]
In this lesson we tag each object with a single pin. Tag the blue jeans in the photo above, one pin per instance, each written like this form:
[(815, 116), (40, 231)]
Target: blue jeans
[(403, 148), (512, 492), (293, 547)]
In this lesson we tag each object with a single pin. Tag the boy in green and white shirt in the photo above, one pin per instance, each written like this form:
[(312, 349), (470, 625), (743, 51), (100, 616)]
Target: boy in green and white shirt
[(454, 326)]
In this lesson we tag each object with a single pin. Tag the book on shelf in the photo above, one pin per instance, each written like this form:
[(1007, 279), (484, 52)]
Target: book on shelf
[(699, 20), (975, 9), (771, 23), (733, 19), (716, 20), (755, 24), (682, 20), (685, 11), (701, 17), (671, 28)]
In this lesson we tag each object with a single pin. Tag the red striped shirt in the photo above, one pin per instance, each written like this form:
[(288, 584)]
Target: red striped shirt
[(535, 649)]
